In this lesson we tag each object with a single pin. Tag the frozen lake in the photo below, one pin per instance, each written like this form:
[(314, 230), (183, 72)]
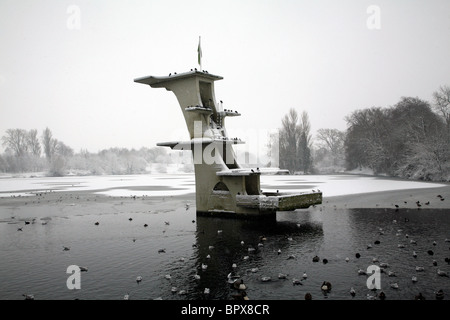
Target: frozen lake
[(118, 250), (179, 184)]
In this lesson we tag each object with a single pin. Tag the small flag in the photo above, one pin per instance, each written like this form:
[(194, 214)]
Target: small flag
[(199, 51)]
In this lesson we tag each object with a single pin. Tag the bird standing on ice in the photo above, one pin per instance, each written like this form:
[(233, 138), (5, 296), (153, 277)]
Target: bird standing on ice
[(442, 273), (394, 285), (419, 269)]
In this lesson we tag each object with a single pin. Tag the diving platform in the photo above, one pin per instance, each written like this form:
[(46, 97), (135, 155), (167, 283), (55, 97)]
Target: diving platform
[(189, 145), (279, 201), (223, 186), (199, 109)]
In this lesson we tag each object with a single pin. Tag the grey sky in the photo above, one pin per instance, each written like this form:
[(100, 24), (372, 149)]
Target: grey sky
[(317, 56)]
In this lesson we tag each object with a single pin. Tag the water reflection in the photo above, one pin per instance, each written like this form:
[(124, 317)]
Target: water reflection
[(249, 244), (333, 235), (118, 250)]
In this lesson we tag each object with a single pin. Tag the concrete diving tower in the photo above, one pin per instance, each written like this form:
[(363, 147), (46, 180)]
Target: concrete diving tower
[(223, 187)]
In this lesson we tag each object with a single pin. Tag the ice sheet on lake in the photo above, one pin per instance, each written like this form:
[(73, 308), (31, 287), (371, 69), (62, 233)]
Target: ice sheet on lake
[(123, 185), (337, 185), (177, 184)]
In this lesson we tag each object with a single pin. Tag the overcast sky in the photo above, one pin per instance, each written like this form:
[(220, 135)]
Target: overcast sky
[(70, 65)]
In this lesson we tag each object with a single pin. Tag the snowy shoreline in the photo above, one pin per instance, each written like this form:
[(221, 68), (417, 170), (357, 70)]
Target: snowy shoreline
[(340, 190), (404, 199)]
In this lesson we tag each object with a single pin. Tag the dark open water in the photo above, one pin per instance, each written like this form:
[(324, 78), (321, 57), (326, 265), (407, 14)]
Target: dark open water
[(33, 261)]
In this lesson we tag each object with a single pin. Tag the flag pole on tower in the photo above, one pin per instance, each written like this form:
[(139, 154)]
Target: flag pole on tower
[(199, 52)]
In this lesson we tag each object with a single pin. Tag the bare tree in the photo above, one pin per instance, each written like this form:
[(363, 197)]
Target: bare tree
[(367, 133), (333, 141), (33, 143), (3, 164), (63, 150), (295, 142), (59, 158), (16, 140), (49, 144), (305, 143), (288, 140), (442, 103), (408, 140)]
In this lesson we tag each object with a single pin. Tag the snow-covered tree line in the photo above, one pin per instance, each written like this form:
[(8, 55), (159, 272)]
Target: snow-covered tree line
[(26, 151), (410, 139)]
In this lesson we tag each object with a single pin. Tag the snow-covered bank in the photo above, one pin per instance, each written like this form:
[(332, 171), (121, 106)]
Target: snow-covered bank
[(171, 184), (139, 185), (342, 184)]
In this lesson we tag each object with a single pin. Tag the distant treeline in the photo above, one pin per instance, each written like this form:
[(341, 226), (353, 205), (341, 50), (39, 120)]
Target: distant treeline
[(409, 140), (26, 152)]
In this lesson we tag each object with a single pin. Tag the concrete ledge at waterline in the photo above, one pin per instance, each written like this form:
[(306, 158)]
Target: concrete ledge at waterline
[(299, 201), (261, 202), (279, 202)]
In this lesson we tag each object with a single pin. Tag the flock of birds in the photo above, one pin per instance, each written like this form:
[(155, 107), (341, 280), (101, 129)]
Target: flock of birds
[(326, 285), (419, 204), (194, 69), (439, 294), (237, 282)]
